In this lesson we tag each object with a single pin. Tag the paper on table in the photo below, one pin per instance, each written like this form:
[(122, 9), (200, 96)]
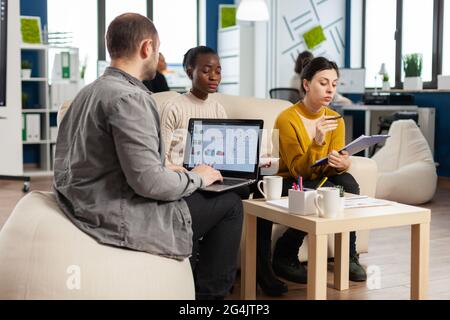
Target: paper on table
[(364, 201), (280, 203), (357, 145), (350, 202)]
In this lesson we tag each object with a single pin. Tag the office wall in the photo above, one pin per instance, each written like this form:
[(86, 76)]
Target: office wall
[(293, 22), (34, 8), (440, 101), (212, 21)]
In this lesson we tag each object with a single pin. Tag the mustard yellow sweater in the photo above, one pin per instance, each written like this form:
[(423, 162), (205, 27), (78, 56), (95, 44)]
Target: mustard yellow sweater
[(297, 151)]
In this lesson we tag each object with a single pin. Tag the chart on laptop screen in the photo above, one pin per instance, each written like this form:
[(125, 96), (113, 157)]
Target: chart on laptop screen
[(225, 146)]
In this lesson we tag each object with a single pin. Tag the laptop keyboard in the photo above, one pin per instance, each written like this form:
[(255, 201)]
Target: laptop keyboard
[(230, 182)]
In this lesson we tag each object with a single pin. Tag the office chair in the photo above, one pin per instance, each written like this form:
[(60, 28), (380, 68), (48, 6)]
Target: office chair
[(290, 94)]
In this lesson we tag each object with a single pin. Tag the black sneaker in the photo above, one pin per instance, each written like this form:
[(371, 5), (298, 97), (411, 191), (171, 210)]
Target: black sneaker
[(290, 269), (356, 271)]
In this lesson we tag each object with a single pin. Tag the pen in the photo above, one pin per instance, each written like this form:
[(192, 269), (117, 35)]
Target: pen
[(322, 182), (300, 182), (294, 186)]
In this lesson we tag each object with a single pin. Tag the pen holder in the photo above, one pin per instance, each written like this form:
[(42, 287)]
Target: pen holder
[(302, 202)]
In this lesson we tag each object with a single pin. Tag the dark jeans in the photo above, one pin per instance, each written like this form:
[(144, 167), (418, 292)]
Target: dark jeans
[(292, 239), (217, 227)]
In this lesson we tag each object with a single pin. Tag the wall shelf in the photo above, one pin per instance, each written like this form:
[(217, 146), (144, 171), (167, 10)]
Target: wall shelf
[(42, 47), (37, 142), (39, 109), (34, 110), (37, 119), (36, 80)]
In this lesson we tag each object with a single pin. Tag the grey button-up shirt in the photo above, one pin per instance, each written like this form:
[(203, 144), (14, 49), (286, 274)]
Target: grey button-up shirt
[(110, 179)]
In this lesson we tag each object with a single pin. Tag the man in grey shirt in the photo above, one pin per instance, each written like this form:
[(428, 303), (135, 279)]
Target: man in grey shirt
[(111, 180)]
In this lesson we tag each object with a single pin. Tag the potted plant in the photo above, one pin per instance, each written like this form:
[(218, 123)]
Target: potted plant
[(386, 84), (341, 197), (25, 100), (412, 65), (26, 69)]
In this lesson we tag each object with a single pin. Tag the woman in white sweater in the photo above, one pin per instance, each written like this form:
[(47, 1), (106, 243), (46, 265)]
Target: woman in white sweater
[(202, 65)]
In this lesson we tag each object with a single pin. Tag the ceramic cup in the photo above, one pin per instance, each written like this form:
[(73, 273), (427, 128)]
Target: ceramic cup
[(272, 187), (328, 202)]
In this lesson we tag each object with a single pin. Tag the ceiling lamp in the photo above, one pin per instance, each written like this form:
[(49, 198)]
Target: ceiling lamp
[(252, 10)]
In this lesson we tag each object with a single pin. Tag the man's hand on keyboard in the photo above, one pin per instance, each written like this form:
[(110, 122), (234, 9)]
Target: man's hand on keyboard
[(208, 174)]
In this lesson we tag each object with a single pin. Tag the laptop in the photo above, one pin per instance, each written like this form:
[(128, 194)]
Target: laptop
[(229, 145)]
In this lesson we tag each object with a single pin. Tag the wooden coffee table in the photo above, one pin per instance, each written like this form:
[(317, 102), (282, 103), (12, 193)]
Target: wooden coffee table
[(318, 230)]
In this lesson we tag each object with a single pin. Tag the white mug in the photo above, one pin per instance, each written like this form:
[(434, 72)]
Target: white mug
[(328, 202), (273, 187)]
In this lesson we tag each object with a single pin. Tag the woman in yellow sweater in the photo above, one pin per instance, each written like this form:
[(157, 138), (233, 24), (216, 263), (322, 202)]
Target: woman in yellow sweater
[(309, 131)]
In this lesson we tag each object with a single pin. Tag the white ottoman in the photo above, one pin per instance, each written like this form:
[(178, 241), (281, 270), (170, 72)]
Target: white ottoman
[(406, 169), (44, 256)]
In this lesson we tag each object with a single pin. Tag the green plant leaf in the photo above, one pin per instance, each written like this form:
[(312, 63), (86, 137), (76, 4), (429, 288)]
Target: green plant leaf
[(412, 65), (25, 64)]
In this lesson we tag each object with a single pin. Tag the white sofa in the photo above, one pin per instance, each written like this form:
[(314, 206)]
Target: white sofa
[(44, 256)]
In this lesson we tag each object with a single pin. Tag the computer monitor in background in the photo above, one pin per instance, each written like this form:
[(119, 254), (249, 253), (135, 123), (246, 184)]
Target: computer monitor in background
[(351, 81), (176, 76)]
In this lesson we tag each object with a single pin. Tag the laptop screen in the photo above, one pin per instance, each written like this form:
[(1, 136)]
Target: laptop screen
[(230, 146)]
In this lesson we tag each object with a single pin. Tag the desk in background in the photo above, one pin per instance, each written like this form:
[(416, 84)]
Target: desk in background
[(426, 119)]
